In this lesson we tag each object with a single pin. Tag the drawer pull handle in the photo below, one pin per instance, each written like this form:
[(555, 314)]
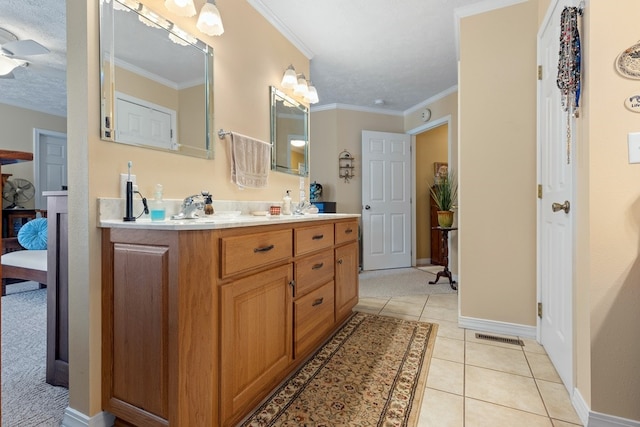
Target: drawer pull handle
[(318, 237), (264, 249), (317, 302), (318, 266), (340, 261), (348, 231)]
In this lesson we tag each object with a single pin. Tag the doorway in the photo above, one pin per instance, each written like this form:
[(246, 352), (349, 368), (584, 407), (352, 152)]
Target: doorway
[(432, 147), (50, 163)]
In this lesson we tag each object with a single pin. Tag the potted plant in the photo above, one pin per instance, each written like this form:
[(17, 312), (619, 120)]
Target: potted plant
[(445, 196)]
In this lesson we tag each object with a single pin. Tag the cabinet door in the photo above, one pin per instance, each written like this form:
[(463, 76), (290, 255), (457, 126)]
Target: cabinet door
[(346, 274), (256, 338)]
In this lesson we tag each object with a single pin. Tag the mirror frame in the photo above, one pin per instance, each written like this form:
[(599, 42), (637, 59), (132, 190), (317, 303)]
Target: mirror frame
[(108, 84), (275, 96)]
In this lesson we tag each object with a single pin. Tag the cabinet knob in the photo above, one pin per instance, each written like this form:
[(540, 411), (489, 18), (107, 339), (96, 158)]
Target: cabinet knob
[(340, 261), (292, 284)]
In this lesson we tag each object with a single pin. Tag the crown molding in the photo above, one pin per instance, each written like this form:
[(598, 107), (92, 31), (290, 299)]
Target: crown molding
[(453, 89), (327, 107), (261, 7)]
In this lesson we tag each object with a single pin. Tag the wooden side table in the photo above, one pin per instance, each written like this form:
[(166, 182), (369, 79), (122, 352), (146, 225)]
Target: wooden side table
[(444, 242)]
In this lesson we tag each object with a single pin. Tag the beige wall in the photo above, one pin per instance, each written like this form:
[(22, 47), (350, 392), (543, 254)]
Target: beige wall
[(608, 219), (497, 165), (431, 147), (17, 126), (333, 131), (249, 57)]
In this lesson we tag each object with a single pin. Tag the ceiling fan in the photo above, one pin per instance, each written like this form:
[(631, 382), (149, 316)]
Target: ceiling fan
[(12, 52)]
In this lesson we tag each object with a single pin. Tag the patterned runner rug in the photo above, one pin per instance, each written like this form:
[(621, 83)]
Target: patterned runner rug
[(372, 372)]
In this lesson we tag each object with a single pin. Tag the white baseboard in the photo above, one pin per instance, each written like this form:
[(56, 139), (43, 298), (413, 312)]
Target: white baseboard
[(496, 327), (597, 419), (581, 407), (73, 418)]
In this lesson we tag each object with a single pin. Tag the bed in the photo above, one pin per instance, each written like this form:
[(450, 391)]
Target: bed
[(25, 257)]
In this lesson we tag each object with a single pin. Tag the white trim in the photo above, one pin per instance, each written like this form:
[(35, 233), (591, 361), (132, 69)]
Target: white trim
[(37, 133), (431, 100), (261, 7), (326, 107), (433, 124), (581, 407), (73, 418), (476, 9), (497, 327), (597, 419)]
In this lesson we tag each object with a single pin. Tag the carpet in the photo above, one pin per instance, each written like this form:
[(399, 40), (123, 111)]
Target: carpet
[(399, 282), (372, 372), (27, 400)]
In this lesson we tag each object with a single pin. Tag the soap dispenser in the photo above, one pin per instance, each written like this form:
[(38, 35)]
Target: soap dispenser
[(157, 208), (208, 203), (286, 203)]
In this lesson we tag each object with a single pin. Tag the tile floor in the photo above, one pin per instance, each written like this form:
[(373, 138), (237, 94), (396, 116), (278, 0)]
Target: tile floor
[(478, 383)]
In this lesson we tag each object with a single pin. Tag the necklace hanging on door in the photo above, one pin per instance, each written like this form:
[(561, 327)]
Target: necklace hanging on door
[(568, 80)]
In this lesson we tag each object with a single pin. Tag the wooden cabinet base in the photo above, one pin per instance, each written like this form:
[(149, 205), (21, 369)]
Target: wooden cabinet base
[(200, 325)]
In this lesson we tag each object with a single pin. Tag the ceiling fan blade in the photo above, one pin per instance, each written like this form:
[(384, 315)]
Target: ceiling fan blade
[(7, 64), (8, 76), (24, 48)]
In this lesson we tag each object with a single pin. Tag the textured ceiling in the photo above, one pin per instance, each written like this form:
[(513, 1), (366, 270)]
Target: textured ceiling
[(399, 51)]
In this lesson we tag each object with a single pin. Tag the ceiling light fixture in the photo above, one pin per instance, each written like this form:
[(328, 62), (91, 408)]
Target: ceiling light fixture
[(181, 7), (289, 78), (298, 142), (210, 21), (312, 94)]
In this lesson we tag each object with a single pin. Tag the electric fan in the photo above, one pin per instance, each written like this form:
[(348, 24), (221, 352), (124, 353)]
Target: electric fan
[(18, 191)]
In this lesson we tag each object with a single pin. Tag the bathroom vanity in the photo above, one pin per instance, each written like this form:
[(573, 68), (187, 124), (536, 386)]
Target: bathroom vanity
[(202, 320)]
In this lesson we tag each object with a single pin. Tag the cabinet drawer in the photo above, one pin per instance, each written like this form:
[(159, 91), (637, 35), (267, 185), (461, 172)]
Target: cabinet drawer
[(314, 316), (243, 253), (312, 271), (346, 231), (309, 239)]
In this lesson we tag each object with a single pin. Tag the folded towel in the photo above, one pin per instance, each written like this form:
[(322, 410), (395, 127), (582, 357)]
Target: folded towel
[(250, 161)]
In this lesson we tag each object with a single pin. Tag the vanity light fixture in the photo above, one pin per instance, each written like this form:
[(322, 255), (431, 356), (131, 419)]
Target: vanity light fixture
[(180, 7), (210, 21), (290, 78), (301, 88), (312, 94)]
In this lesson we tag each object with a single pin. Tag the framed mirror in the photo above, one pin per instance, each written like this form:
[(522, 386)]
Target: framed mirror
[(289, 134), (156, 82)]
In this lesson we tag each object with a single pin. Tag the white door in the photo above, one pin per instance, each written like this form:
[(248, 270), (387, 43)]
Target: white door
[(50, 163), (555, 238), (386, 200), (142, 122)]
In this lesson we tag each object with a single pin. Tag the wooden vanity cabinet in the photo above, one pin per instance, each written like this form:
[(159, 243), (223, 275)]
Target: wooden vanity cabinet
[(200, 326)]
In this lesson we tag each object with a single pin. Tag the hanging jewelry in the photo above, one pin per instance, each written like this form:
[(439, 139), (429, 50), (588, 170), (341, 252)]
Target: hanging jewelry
[(568, 80)]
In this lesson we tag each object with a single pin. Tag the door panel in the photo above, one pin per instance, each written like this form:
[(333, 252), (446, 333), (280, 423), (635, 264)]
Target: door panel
[(386, 201)]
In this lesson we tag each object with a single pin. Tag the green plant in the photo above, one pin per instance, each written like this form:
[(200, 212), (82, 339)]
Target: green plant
[(445, 191)]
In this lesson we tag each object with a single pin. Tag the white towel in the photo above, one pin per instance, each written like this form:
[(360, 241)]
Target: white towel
[(250, 161)]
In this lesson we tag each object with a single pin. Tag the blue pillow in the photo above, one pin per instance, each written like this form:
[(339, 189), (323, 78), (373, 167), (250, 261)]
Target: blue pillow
[(33, 234)]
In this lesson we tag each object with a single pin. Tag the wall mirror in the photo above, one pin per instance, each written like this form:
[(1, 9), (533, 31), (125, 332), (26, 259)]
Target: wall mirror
[(156, 82), (289, 134)]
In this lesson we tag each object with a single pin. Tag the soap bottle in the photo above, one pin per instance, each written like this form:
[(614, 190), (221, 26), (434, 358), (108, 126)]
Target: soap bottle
[(156, 206), (286, 203), (208, 203)]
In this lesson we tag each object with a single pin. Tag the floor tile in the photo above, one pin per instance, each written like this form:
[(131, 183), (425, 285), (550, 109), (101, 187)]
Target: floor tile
[(440, 409), (503, 359), (371, 305), (445, 328), (542, 367), (402, 307), (449, 349), (532, 346), (514, 391), (558, 423), (413, 299), (443, 300), (556, 399), (485, 414), (445, 375), (443, 313)]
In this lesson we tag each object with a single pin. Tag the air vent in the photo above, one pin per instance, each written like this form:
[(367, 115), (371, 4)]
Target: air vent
[(513, 341)]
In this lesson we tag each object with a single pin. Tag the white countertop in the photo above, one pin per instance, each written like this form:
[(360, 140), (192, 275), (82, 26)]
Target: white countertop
[(214, 223)]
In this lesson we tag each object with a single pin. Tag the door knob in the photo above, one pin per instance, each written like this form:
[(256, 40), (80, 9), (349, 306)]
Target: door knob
[(367, 207), (566, 206)]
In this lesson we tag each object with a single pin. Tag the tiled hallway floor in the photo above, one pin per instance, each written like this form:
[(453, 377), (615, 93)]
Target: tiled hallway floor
[(479, 383)]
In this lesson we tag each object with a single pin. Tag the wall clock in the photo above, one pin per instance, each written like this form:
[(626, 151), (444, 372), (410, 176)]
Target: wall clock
[(426, 115)]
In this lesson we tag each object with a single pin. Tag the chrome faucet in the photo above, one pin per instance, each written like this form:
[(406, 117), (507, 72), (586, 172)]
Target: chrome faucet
[(190, 207)]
